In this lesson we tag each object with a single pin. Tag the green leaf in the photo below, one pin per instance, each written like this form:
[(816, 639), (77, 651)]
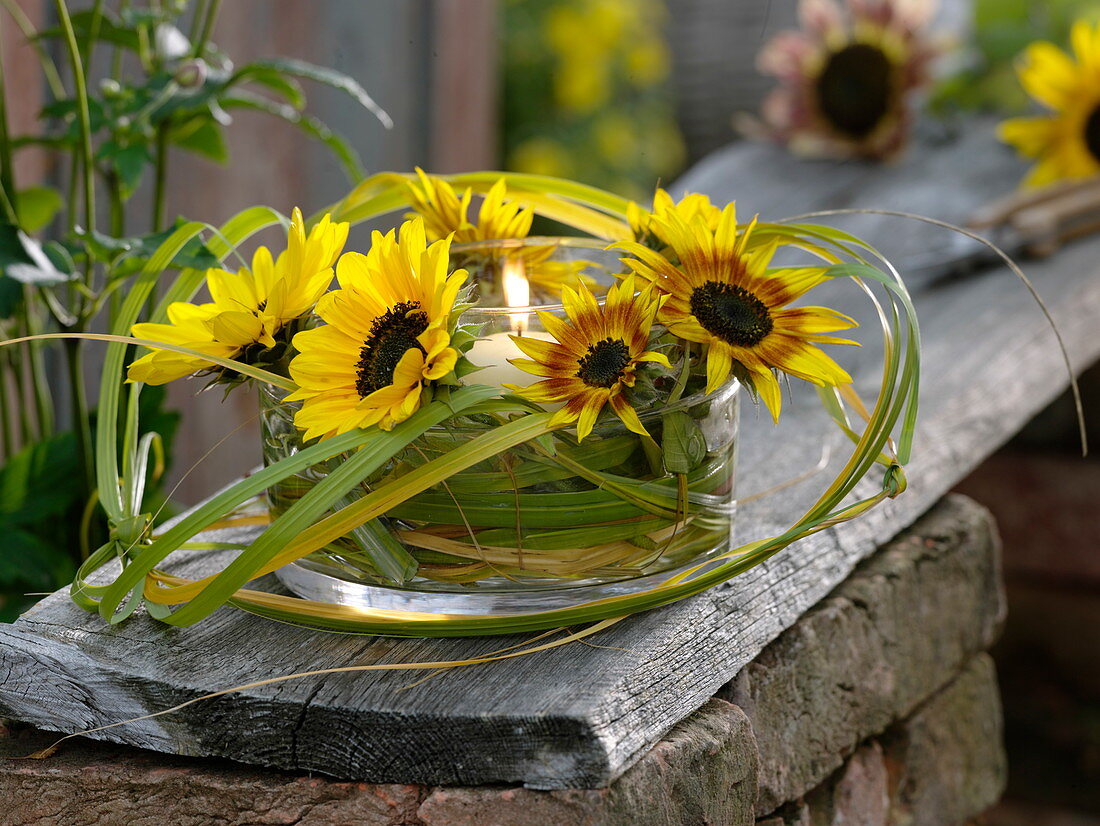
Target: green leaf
[(329, 77), (314, 127), (29, 562), (37, 206), (135, 251), (41, 481), (683, 443), (203, 136), (23, 260), (11, 296), (126, 161), (108, 30), (287, 87)]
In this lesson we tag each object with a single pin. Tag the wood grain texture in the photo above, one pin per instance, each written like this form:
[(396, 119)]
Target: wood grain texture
[(579, 716)]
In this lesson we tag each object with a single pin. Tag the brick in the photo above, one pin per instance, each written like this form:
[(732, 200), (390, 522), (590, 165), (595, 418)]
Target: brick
[(899, 629), (859, 794), (947, 762), (703, 772), (941, 767), (96, 784)]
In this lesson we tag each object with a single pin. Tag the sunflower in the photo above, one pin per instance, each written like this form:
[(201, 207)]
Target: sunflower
[(722, 295), (253, 309), (691, 205), (446, 213), (845, 79), (1066, 142), (595, 356), (387, 333)]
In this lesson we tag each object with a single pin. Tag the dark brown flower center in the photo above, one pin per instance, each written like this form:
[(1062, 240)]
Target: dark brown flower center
[(731, 313), (391, 336), (604, 363), (1092, 133), (854, 90)]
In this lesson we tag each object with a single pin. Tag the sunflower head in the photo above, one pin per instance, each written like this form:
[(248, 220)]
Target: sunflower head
[(846, 76), (444, 212), (387, 336), (691, 206), (721, 294), (596, 352), (254, 312), (1065, 142)]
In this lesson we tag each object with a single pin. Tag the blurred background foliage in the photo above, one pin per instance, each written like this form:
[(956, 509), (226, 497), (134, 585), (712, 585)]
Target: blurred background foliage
[(586, 93)]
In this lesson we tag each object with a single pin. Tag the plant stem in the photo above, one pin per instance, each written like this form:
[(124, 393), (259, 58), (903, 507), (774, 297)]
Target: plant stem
[(30, 35), (197, 20), (7, 173), (8, 207), (43, 400), (5, 414), (19, 374), (116, 51), (118, 207), (73, 351), (87, 169), (161, 167), (74, 357), (93, 35), (73, 194), (207, 28)]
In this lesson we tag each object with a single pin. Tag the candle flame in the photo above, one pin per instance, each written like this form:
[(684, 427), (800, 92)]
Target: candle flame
[(517, 291)]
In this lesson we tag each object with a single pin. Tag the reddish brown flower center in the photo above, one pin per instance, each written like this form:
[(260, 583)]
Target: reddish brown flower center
[(731, 313), (855, 89), (604, 363)]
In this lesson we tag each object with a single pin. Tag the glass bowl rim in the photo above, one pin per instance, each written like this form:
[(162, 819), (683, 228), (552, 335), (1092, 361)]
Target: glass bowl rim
[(728, 390)]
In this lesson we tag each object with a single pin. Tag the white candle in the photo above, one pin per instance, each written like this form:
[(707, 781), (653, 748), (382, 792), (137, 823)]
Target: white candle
[(492, 353)]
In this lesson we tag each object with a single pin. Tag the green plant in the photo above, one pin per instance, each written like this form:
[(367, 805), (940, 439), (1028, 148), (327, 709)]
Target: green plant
[(65, 265)]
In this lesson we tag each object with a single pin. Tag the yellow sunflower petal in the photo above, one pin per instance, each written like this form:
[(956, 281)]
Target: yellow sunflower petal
[(718, 367), (767, 387), (628, 414)]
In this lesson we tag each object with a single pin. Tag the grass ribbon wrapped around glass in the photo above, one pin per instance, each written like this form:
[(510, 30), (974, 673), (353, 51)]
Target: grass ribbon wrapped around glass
[(477, 431)]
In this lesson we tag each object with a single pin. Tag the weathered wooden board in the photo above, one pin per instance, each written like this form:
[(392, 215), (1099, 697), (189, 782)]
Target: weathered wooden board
[(578, 716)]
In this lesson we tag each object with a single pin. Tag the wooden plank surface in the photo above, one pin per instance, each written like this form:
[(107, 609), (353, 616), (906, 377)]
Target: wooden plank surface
[(578, 716)]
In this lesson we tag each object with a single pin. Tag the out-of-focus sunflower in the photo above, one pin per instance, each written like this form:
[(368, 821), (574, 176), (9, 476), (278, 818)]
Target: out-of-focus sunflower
[(387, 335), (847, 76), (1066, 142), (595, 356), (254, 309), (722, 295), (446, 213)]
